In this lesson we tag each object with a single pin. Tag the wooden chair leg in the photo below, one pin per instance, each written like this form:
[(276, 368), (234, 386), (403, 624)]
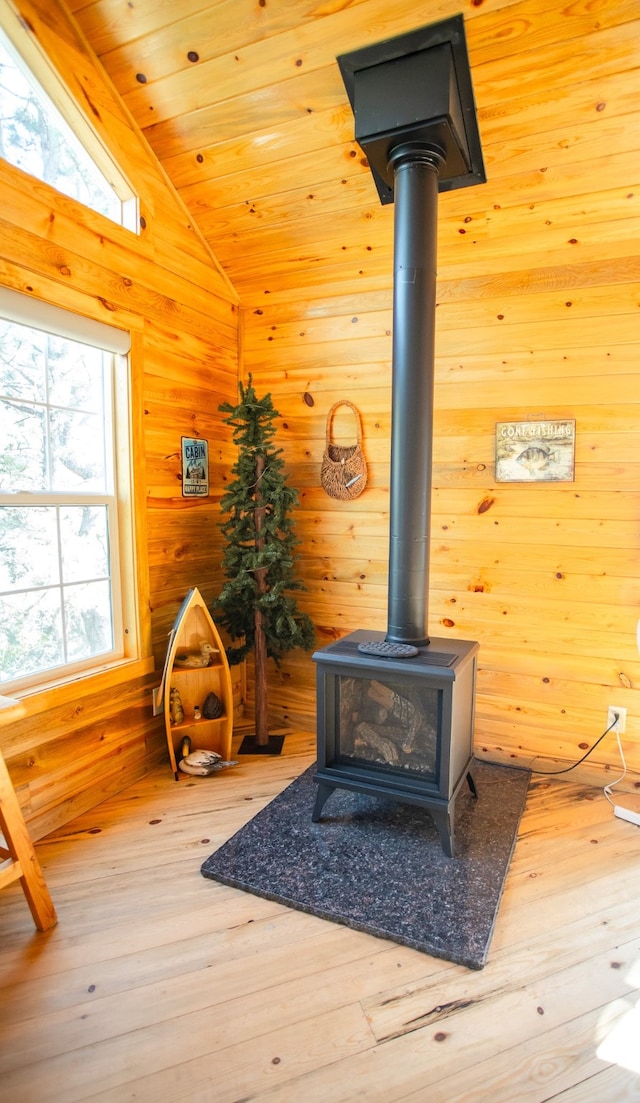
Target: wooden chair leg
[(18, 858)]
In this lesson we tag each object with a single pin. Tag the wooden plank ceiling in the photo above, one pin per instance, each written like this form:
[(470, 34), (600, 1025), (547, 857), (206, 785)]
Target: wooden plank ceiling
[(243, 103)]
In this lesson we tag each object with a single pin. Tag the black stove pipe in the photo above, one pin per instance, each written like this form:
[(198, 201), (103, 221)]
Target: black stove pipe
[(415, 169)]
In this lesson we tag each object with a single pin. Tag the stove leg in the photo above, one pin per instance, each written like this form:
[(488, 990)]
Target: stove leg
[(443, 819), (322, 796)]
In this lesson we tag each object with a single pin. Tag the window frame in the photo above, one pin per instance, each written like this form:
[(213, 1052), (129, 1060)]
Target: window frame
[(39, 69), (124, 572)]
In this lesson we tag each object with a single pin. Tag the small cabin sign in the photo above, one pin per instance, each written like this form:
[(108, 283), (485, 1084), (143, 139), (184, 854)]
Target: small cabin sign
[(195, 467), (535, 451)]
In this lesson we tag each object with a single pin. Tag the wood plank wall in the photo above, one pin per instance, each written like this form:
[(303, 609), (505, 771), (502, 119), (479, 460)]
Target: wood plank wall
[(538, 300), (537, 315), (90, 739)]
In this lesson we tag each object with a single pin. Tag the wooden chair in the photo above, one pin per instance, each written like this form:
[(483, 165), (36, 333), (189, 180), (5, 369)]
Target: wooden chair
[(18, 859)]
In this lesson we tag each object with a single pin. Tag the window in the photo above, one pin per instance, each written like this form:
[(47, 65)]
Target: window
[(60, 593), (43, 132)]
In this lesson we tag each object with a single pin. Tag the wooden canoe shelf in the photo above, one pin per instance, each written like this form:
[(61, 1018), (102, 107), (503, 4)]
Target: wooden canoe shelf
[(194, 639)]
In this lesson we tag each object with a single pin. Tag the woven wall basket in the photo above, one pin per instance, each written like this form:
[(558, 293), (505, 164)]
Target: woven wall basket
[(343, 473)]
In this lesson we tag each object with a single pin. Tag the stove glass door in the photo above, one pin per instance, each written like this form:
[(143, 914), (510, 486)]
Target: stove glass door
[(389, 722)]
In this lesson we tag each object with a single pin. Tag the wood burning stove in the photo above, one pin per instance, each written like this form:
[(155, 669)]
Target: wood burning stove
[(395, 710), (397, 727)]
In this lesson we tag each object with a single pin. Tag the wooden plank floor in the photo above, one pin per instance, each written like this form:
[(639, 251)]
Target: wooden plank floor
[(158, 985)]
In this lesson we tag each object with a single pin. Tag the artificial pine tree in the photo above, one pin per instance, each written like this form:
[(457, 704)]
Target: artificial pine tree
[(256, 605)]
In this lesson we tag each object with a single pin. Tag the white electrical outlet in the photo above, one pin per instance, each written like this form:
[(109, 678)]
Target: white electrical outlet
[(612, 712)]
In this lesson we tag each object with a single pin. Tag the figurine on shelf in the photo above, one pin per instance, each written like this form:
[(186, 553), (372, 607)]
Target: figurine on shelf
[(190, 660), (197, 715), (176, 711), (213, 708), (204, 763)]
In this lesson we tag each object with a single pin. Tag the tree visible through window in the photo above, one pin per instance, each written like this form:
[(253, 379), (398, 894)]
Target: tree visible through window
[(35, 137), (58, 516)]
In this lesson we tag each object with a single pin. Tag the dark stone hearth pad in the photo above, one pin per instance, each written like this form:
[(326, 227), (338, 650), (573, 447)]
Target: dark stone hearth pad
[(377, 866)]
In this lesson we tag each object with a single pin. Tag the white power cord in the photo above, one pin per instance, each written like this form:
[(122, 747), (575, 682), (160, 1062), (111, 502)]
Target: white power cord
[(607, 789), (619, 810)]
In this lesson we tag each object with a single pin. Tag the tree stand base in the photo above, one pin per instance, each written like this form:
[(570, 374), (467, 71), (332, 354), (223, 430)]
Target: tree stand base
[(250, 746)]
